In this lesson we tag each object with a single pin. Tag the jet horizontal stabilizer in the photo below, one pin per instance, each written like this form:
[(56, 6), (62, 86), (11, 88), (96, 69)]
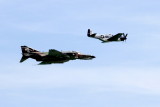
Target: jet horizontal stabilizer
[(23, 59)]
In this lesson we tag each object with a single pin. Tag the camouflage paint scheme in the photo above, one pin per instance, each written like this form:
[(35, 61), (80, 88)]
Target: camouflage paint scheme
[(53, 56)]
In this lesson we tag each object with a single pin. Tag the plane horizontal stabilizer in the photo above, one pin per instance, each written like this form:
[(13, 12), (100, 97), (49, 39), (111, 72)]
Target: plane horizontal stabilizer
[(23, 59)]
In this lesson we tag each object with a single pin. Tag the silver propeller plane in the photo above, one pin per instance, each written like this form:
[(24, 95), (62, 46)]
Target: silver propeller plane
[(53, 56), (107, 37)]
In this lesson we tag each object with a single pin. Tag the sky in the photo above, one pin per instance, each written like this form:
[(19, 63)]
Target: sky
[(123, 74)]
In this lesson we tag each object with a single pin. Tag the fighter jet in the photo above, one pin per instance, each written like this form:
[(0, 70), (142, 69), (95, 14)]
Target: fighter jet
[(107, 37), (53, 56)]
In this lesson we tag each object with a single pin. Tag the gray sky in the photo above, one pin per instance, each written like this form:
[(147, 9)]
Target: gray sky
[(123, 74)]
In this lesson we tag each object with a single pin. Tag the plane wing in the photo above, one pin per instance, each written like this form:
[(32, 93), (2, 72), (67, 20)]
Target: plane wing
[(115, 37), (55, 53), (52, 62)]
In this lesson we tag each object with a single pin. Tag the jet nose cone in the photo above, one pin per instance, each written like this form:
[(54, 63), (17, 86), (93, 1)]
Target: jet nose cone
[(86, 57), (92, 56)]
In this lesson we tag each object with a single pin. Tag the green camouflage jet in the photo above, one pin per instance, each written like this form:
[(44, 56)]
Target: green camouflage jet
[(107, 37), (53, 56)]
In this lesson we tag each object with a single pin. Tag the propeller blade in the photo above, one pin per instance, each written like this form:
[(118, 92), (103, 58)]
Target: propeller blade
[(126, 35)]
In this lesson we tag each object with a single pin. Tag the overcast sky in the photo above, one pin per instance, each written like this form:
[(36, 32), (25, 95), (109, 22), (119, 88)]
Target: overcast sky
[(123, 74)]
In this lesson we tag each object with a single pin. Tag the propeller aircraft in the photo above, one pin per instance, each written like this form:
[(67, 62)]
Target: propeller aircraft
[(108, 37)]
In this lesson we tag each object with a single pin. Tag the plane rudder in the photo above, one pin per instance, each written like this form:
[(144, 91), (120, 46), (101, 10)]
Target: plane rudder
[(89, 32), (26, 49)]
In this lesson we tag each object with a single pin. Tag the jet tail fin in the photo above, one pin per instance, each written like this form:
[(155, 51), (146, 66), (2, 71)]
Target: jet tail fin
[(26, 49), (26, 52)]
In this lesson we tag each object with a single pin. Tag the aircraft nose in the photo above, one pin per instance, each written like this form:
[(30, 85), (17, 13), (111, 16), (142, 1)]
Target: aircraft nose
[(86, 57), (124, 38), (92, 56)]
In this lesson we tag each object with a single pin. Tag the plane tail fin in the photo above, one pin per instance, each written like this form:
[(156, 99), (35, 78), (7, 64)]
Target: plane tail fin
[(90, 34), (26, 49), (26, 52)]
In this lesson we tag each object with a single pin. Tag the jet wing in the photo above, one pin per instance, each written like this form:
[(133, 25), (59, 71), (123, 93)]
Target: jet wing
[(52, 62), (115, 37), (55, 53)]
